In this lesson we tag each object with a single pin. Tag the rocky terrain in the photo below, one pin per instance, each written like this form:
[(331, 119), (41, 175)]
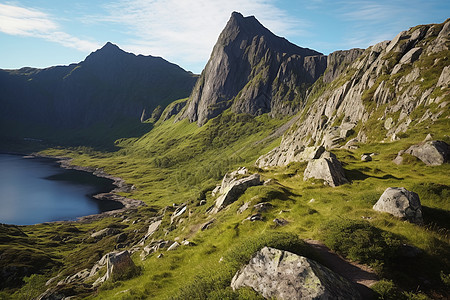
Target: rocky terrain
[(352, 203)]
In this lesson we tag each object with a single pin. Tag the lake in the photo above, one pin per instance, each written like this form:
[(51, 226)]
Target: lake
[(37, 190)]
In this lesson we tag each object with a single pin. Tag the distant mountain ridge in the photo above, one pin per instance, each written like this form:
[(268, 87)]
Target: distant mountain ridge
[(109, 87), (253, 71)]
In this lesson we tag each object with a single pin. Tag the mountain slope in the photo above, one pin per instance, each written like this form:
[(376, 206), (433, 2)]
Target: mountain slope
[(110, 88), (253, 71), (393, 87)]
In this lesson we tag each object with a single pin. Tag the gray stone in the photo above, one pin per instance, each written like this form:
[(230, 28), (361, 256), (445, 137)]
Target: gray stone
[(207, 224), (280, 222), (233, 189), (328, 168), (401, 203), (432, 153), (178, 212), (116, 262), (366, 157), (263, 206), (444, 79), (281, 274), (244, 207), (174, 246), (411, 56)]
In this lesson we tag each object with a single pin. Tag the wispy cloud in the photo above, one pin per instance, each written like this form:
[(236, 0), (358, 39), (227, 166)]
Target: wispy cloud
[(21, 21), (185, 31)]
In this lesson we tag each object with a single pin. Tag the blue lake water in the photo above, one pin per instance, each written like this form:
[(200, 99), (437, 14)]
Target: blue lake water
[(37, 190)]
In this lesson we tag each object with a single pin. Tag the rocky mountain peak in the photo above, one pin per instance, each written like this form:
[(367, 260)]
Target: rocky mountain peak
[(253, 71)]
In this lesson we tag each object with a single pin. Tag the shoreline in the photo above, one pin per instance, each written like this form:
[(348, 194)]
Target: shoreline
[(121, 186)]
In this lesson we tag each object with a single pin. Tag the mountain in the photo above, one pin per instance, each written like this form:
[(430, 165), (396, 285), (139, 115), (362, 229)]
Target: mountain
[(109, 89), (253, 71), (346, 187), (393, 87)]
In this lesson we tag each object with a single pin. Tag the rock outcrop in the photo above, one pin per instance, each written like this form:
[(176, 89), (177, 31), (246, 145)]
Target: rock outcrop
[(326, 167), (401, 203), (253, 71), (383, 87), (116, 263), (281, 274), (233, 190), (432, 153)]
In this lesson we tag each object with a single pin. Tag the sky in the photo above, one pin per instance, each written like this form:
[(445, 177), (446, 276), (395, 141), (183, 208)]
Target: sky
[(43, 33)]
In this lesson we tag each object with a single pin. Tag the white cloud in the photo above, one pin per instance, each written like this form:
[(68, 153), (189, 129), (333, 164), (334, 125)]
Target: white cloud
[(185, 31), (21, 21)]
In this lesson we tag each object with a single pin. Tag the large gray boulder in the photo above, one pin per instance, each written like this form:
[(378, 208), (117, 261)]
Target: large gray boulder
[(432, 153), (231, 191), (116, 262), (401, 203), (281, 274), (328, 168)]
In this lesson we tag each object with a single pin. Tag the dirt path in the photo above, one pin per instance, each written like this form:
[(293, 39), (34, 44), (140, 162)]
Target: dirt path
[(361, 275)]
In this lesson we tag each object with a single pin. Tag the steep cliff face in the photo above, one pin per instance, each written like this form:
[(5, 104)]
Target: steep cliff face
[(393, 86), (109, 87), (253, 71)]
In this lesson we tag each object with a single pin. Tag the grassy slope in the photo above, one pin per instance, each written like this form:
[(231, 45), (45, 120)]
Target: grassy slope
[(174, 163)]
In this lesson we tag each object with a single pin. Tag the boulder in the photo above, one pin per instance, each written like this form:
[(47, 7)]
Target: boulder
[(328, 168), (278, 274), (178, 212), (116, 263), (432, 153), (151, 230), (233, 189), (411, 56), (366, 157), (174, 246), (401, 203)]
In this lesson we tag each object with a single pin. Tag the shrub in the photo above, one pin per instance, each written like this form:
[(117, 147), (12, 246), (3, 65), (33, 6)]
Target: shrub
[(360, 241), (386, 290)]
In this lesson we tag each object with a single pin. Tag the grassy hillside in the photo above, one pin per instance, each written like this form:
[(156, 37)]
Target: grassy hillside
[(181, 163)]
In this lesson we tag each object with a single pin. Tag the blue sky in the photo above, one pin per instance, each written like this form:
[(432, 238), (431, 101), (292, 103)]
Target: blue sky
[(42, 33)]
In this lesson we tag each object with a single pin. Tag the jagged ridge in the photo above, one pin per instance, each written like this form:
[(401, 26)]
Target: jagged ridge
[(253, 71)]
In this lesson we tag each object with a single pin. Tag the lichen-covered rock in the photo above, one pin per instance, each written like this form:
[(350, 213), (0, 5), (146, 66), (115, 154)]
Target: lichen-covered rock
[(401, 203), (234, 189), (284, 275), (328, 168), (432, 153)]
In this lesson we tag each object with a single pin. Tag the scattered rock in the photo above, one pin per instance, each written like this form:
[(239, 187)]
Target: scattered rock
[(263, 206), (312, 200), (178, 212), (255, 217), (161, 255), (234, 189), (202, 202), (120, 261), (366, 157), (174, 246), (153, 247), (284, 275), (401, 203), (328, 168), (151, 230), (207, 224), (280, 222), (428, 138), (432, 153), (244, 207)]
